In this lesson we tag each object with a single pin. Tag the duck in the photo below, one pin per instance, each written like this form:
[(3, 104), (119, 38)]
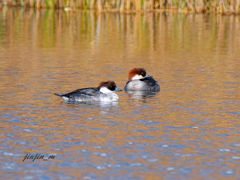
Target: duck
[(105, 92), (139, 80)]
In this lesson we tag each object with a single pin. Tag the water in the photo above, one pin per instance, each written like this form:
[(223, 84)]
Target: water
[(189, 130)]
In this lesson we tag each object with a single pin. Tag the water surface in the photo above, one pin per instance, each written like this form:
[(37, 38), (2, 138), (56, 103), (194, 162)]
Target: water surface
[(189, 130)]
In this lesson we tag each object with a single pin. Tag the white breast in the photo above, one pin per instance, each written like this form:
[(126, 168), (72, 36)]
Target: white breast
[(136, 85)]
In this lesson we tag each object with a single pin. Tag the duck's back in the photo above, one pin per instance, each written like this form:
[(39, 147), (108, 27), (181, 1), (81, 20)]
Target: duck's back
[(88, 95), (80, 95)]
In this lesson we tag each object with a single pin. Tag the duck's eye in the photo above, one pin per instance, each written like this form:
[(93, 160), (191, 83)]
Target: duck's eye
[(143, 74), (112, 88)]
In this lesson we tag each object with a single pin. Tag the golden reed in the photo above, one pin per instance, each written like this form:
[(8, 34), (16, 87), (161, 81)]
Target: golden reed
[(191, 6)]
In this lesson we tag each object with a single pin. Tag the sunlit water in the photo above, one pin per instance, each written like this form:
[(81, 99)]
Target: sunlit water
[(189, 130)]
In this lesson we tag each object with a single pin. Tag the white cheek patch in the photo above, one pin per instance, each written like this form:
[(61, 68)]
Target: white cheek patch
[(136, 77), (105, 90)]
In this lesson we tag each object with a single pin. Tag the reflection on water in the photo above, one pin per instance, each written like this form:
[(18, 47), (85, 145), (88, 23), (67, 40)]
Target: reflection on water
[(140, 95), (189, 130), (96, 103)]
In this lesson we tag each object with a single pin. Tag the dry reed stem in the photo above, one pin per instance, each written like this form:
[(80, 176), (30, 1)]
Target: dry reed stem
[(99, 5), (122, 5), (197, 6), (92, 4), (138, 5)]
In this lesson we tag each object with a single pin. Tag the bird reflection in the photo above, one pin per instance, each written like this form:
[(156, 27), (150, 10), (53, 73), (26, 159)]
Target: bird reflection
[(140, 95), (93, 106), (100, 103)]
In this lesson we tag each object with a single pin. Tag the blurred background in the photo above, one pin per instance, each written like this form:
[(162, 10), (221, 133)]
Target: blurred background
[(188, 130)]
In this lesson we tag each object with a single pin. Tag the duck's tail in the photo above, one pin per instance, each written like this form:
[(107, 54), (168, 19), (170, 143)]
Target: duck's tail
[(58, 94), (62, 96)]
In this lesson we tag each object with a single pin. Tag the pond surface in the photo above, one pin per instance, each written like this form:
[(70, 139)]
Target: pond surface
[(189, 130)]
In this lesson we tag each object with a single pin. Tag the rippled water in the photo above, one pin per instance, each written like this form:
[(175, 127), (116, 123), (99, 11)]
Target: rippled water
[(189, 130)]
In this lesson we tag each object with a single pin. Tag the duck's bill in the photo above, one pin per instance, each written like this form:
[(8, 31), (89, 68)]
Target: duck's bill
[(117, 89), (147, 76)]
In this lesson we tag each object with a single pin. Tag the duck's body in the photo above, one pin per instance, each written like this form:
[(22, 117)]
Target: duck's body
[(138, 80), (146, 84), (104, 92)]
